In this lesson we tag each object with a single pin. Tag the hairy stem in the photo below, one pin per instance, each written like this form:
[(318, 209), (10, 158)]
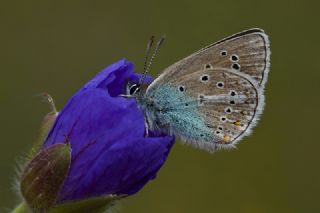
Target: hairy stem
[(21, 208)]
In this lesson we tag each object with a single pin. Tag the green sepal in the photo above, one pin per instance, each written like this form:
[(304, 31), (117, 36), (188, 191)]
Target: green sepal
[(46, 125), (43, 176), (92, 205)]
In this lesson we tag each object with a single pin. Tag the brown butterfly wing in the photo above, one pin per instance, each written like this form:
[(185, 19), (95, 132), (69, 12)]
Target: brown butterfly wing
[(241, 63), (229, 103), (246, 52)]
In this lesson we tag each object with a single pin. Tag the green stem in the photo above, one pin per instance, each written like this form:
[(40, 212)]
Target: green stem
[(21, 208)]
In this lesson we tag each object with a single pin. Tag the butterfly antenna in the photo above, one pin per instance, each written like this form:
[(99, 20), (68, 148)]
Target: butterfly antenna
[(147, 67), (149, 45)]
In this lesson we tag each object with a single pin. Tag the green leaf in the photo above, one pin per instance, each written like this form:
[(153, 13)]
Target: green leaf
[(43, 176)]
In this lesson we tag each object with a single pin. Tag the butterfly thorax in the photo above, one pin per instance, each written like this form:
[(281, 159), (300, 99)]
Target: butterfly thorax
[(151, 110)]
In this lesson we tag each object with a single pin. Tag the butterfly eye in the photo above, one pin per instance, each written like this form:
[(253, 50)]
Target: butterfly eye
[(134, 89)]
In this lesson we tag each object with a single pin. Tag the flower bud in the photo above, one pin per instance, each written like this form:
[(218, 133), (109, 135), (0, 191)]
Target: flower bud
[(99, 137)]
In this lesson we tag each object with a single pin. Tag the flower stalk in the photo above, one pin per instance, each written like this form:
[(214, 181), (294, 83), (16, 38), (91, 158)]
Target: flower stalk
[(21, 208)]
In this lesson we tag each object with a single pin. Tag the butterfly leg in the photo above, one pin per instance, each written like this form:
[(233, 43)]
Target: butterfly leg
[(126, 96), (147, 128)]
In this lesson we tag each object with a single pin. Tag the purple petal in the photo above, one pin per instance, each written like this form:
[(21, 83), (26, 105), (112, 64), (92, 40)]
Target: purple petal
[(110, 153)]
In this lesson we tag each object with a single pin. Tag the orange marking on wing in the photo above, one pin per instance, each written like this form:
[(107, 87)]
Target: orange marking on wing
[(237, 124), (226, 139)]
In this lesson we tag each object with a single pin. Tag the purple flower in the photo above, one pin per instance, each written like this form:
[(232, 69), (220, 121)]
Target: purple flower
[(110, 153)]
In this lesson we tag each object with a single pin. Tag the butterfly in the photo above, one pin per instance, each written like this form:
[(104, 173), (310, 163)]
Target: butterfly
[(212, 98)]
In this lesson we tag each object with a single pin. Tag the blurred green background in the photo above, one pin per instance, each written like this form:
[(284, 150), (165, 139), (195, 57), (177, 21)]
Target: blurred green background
[(56, 46)]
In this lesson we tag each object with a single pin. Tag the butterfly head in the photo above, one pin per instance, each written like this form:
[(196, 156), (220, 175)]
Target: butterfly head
[(133, 89), (136, 89)]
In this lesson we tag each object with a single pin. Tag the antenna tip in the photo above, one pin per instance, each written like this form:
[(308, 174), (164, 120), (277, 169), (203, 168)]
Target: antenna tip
[(161, 40)]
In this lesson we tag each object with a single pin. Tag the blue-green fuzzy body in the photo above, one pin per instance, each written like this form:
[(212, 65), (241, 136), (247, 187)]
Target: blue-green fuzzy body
[(171, 111)]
